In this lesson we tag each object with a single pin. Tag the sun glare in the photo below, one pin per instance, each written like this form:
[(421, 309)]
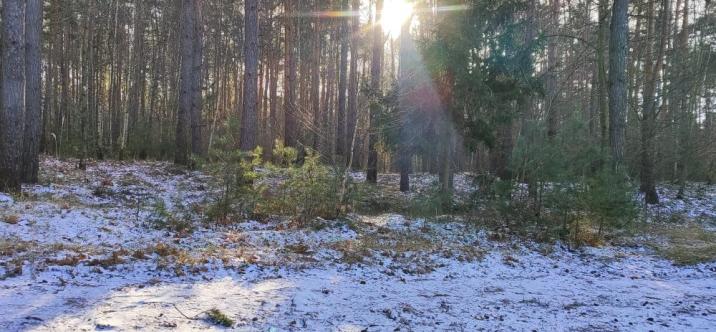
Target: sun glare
[(395, 13)]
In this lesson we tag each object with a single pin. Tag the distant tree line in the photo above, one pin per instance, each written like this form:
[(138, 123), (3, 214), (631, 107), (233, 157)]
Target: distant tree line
[(470, 85)]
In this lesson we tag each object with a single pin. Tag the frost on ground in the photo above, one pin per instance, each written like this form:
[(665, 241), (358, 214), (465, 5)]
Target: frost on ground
[(84, 253)]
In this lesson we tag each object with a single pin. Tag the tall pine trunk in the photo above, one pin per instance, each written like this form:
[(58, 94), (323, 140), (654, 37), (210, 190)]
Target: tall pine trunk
[(653, 67), (552, 65), (11, 94), (376, 73), (197, 146), (33, 94), (316, 81), (404, 105), (618, 48), (351, 123), (249, 119), (182, 147), (137, 82), (289, 90), (342, 84)]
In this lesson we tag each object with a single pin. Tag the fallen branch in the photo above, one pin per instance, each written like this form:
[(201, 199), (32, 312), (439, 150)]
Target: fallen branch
[(187, 317)]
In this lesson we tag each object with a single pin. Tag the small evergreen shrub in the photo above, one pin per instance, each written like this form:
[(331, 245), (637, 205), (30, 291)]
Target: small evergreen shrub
[(284, 156), (431, 203), (608, 198), (573, 189), (308, 191), (161, 218), (241, 194)]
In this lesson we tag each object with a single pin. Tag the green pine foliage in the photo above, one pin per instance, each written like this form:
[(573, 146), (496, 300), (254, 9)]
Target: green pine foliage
[(572, 180), (240, 186), (306, 191)]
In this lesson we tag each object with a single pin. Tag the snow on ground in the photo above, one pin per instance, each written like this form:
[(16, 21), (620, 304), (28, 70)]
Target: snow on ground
[(81, 254), (701, 202)]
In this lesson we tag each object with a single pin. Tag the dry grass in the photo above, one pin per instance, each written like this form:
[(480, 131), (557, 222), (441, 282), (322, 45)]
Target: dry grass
[(683, 244), (70, 260), (11, 246), (586, 233), (11, 219), (299, 248), (139, 254), (114, 259), (13, 268), (164, 250), (356, 251)]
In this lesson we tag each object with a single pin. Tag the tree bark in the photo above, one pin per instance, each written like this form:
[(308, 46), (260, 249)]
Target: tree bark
[(683, 124), (316, 81), (376, 73), (342, 84), (137, 82), (351, 123), (552, 65), (182, 147), (404, 105), (602, 79), (197, 146), (33, 92), (289, 91), (11, 94), (652, 71), (249, 120), (618, 48)]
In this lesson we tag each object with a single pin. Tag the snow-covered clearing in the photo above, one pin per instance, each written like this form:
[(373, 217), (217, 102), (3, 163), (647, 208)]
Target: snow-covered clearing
[(81, 254)]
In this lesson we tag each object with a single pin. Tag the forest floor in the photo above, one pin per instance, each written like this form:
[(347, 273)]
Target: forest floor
[(81, 252)]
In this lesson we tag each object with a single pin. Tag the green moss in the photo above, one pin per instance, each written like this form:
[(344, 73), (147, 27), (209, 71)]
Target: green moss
[(219, 318)]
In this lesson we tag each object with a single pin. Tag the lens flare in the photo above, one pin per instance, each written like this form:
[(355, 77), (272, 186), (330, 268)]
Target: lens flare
[(395, 13)]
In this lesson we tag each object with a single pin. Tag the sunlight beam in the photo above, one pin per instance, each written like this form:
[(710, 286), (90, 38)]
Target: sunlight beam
[(394, 14)]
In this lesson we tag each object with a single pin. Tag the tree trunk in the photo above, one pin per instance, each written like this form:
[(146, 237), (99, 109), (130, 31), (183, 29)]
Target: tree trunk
[(602, 80), (552, 65), (316, 81), (197, 146), (289, 91), (618, 48), (683, 124), (351, 125), (137, 82), (251, 49), (376, 73), (11, 94), (652, 71), (404, 86), (33, 94), (342, 84), (181, 154)]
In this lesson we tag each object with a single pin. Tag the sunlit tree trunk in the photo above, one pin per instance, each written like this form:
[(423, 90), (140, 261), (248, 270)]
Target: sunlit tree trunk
[(251, 49), (342, 84), (289, 90), (316, 82), (375, 80), (404, 148), (351, 123)]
